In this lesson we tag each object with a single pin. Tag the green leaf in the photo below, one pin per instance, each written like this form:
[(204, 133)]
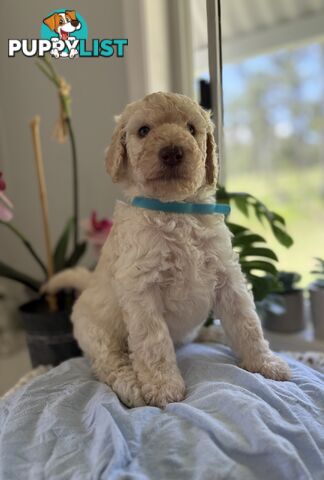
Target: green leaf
[(261, 286), (258, 265), (242, 205), (320, 260), (62, 246), (282, 236), (319, 266), (279, 218), (235, 229), (258, 252), (242, 195), (287, 280), (245, 202), (76, 255), (26, 242), (9, 272), (242, 239), (259, 213), (222, 195)]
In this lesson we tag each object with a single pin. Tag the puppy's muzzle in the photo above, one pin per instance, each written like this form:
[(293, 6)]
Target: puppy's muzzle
[(171, 156)]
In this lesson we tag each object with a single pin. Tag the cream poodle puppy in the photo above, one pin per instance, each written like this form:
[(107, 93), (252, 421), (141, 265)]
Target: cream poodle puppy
[(160, 274)]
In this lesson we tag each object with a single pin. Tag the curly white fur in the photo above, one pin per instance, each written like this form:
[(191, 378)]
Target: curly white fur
[(159, 273)]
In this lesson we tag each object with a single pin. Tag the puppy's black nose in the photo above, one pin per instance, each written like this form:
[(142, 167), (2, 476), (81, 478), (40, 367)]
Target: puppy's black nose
[(171, 155), (75, 23)]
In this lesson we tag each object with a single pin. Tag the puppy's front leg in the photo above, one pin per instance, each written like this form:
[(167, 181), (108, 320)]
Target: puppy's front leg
[(236, 310), (151, 349), (55, 53)]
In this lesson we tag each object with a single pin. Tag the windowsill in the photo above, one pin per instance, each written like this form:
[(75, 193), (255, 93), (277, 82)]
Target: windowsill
[(297, 342)]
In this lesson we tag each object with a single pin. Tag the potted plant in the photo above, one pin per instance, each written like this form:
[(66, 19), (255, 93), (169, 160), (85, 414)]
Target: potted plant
[(316, 294), (284, 308), (47, 319), (257, 260)]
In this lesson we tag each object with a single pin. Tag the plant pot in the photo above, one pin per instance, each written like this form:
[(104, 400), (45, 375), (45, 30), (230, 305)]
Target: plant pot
[(291, 319), (49, 334), (316, 295)]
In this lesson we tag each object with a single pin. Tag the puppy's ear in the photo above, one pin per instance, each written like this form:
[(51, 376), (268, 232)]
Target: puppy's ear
[(71, 14), (211, 157), (51, 21), (116, 153)]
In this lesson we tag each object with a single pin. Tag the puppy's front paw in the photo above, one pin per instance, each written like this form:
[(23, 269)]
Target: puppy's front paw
[(55, 53), (165, 390), (128, 391), (270, 366), (73, 53)]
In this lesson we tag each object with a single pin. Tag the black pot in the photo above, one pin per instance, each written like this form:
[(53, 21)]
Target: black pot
[(292, 319), (49, 334)]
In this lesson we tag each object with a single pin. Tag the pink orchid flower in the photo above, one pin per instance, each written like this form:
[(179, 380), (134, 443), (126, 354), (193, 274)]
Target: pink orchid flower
[(6, 207), (96, 231)]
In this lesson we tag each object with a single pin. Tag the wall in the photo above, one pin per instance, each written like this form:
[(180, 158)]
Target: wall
[(150, 50), (99, 91)]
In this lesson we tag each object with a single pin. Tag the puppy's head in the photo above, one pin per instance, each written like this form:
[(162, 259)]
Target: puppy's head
[(163, 146), (63, 23)]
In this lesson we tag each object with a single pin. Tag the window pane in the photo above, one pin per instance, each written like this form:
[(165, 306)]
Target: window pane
[(274, 120), (274, 144)]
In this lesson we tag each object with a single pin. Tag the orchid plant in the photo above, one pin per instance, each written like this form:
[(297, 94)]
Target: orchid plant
[(6, 206), (95, 231)]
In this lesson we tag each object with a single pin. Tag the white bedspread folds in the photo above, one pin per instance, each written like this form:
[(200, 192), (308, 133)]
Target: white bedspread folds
[(233, 424)]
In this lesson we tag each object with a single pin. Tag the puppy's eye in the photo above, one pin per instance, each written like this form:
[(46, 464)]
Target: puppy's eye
[(191, 129), (143, 131), (61, 21)]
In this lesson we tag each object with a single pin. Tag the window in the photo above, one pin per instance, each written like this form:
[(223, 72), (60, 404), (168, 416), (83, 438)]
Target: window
[(274, 135)]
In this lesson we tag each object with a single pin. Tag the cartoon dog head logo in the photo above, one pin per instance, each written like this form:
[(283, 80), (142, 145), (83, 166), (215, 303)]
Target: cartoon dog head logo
[(64, 28), (64, 33), (63, 23)]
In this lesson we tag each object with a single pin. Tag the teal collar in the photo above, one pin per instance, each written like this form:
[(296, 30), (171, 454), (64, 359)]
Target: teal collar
[(181, 207)]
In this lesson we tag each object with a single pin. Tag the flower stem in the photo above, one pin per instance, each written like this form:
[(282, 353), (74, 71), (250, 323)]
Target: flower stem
[(48, 69), (75, 181), (27, 244)]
